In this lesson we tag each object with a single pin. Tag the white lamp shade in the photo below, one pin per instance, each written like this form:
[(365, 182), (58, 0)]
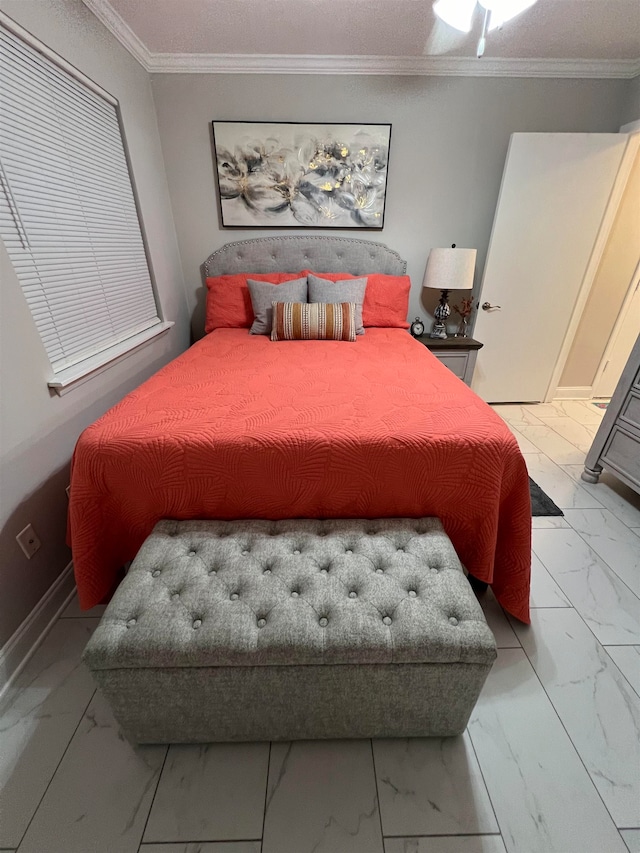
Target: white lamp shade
[(450, 269)]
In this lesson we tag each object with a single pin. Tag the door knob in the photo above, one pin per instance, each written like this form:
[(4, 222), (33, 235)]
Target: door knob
[(487, 306)]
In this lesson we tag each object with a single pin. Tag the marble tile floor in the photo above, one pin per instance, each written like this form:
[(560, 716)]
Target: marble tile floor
[(550, 760)]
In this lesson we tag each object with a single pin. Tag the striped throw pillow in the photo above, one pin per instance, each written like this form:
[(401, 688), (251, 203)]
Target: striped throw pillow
[(313, 321)]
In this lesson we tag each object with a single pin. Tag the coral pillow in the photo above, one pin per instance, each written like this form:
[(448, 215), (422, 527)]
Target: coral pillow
[(314, 321), (229, 301), (386, 299)]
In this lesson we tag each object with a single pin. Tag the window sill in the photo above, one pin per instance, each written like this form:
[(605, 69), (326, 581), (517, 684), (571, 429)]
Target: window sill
[(78, 374)]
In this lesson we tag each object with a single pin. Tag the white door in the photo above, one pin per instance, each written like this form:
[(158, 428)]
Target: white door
[(555, 190), (623, 337)]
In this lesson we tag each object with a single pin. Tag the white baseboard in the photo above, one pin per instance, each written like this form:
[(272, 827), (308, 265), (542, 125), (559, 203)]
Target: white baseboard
[(19, 648), (580, 392)]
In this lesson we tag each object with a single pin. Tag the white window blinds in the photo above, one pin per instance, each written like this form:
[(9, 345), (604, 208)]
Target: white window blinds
[(68, 216)]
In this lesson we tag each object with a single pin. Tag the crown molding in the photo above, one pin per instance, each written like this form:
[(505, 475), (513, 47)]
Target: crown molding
[(427, 66), (107, 15)]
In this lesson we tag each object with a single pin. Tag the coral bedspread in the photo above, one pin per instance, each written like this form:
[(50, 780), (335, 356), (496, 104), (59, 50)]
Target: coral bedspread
[(241, 427)]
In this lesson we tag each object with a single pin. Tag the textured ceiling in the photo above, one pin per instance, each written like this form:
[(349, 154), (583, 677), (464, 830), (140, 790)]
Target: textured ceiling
[(552, 29)]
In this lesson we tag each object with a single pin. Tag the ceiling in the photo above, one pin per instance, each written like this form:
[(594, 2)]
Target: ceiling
[(555, 37)]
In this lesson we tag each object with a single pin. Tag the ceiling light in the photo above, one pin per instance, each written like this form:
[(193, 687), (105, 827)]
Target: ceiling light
[(504, 10), (456, 13), (459, 14)]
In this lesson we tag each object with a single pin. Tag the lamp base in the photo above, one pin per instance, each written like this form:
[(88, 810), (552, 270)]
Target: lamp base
[(441, 313)]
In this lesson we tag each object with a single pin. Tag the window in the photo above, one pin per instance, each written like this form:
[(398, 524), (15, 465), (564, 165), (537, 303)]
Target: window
[(68, 214)]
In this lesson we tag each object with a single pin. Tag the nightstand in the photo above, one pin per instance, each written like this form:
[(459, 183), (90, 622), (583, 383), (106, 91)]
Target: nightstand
[(458, 354)]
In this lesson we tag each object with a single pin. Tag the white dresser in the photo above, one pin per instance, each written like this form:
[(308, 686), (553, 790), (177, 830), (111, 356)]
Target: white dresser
[(616, 445)]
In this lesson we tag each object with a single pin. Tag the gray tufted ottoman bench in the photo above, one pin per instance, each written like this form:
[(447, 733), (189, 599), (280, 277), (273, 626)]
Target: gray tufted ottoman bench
[(260, 630)]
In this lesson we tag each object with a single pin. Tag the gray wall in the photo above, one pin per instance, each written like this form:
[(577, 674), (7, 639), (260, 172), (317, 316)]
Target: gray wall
[(448, 146), (38, 430), (632, 104)]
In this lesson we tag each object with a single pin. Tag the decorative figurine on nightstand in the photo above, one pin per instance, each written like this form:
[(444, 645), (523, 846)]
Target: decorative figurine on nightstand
[(448, 269), (417, 328)]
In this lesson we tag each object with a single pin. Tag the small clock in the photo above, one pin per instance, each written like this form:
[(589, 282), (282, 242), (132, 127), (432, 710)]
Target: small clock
[(417, 328)]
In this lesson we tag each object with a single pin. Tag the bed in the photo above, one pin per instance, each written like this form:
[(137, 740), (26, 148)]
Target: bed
[(241, 427)]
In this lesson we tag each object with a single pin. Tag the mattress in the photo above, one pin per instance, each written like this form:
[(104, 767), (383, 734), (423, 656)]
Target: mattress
[(242, 427)]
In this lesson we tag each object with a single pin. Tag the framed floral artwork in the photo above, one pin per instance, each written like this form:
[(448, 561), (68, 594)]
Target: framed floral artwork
[(291, 175)]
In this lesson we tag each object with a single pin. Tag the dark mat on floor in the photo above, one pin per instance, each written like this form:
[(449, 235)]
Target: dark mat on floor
[(541, 503)]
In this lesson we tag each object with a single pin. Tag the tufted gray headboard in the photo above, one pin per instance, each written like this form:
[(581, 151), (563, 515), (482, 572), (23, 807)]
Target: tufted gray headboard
[(292, 254)]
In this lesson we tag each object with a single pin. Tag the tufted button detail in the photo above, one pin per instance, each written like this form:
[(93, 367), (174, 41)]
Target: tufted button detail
[(245, 552), (400, 548), (192, 553), (297, 551), (349, 551), (183, 599)]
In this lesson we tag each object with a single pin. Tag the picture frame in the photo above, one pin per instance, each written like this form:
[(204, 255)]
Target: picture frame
[(301, 175)]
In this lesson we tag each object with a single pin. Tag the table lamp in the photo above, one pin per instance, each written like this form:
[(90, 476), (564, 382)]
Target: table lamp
[(448, 269)]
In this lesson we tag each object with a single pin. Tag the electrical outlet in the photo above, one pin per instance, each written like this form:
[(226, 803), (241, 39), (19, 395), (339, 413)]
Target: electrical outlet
[(28, 540)]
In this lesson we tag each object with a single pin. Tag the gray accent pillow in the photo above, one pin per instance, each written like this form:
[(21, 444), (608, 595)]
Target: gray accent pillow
[(264, 294), (345, 290)]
